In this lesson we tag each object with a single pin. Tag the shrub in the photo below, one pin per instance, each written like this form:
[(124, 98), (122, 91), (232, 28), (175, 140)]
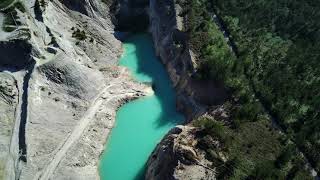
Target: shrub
[(79, 35), (248, 111), (212, 128), (285, 156), (227, 169)]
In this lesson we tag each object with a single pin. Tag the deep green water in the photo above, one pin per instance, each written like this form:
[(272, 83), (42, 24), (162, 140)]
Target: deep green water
[(142, 123)]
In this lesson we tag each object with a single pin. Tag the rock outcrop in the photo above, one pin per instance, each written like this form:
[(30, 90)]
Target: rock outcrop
[(171, 43), (177, 157), (60, 87)]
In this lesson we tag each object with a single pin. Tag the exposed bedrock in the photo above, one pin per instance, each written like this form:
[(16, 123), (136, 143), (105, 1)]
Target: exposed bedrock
[(171, 43), (76, 80), (55, 117), (177, 157), (89, 8)]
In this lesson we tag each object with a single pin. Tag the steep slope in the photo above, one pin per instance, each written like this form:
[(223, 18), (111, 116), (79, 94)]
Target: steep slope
[(68, 87), (177, 157), (171, 42), (239, 134)]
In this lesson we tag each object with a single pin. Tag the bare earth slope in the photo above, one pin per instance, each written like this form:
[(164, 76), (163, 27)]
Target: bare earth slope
[(58, 103)]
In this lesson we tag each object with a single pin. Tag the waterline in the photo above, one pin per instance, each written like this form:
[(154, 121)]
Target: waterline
[(142, 123)]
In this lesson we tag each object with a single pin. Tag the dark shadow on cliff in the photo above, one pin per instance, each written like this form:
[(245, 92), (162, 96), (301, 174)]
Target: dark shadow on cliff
[(130, 15), (79, 5), (37, 11), (24, 112), (161, 82), (12, 61)]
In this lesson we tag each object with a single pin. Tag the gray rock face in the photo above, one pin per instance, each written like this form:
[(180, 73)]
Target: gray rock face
[(171, 46), (91, 8), (171, 43), (176, 157), (76, 80)]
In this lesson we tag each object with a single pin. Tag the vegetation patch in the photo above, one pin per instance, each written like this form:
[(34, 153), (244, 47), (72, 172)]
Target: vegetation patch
[(254, 150), (276, 70), (79, 34), (275, 39)]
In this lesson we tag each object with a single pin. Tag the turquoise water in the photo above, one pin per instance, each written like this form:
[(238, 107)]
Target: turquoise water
[(142, 123)]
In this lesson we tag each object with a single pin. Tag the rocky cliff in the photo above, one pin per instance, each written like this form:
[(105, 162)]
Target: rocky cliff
[(177, 157), (166, 25), (60, 85), (172, 46)]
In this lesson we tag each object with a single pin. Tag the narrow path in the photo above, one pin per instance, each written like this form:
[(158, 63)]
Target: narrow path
[(75, 135), (78, 131)]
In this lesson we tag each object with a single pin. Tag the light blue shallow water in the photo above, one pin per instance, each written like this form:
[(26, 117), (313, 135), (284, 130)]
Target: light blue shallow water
[(142, 123)]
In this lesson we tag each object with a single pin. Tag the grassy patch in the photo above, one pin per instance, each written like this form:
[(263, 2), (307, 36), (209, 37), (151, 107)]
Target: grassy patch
[(256, 146)]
